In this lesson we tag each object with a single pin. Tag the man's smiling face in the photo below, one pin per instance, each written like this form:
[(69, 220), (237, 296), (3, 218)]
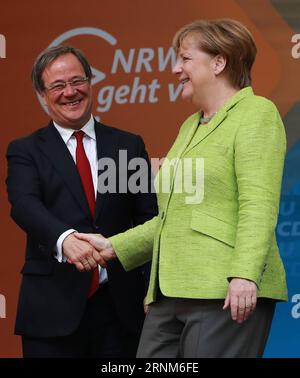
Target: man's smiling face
[(71, 106)]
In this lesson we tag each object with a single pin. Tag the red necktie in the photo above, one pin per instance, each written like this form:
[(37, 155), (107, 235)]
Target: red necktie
[(85, 174)]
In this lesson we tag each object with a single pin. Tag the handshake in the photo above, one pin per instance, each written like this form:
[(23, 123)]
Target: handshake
[(86, 251)]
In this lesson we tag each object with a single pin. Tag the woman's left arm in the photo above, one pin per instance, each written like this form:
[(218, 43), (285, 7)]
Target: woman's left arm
[(260, 146)]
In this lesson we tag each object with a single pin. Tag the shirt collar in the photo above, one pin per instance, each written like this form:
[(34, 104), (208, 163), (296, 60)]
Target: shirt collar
[(66, 133)]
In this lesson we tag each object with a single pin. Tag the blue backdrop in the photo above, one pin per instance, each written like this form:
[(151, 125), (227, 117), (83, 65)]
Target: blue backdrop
[(285, 333)]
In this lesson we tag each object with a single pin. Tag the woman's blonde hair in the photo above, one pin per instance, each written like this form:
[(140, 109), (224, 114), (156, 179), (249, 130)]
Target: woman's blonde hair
[(228, 38)]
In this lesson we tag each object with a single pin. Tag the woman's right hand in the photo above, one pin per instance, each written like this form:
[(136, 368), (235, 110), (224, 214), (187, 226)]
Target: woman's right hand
[(100, 243)]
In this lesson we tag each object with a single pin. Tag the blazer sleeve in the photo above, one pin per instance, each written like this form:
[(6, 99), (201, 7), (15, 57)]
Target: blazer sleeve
[(144, 202), (134, 247), (25, 196), (260, 146)]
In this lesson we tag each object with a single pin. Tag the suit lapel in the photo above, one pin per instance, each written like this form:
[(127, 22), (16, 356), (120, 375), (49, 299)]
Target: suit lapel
[(57, 152), (182, 141), (177, 150), (219, 117), (191, 130), (107, 147), (207, 129), (192, 138)]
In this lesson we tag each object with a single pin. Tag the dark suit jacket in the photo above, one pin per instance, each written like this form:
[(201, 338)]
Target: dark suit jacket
[(47, 198)]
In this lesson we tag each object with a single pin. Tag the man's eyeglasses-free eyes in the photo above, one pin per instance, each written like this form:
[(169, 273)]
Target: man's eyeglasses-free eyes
[(59, 86)]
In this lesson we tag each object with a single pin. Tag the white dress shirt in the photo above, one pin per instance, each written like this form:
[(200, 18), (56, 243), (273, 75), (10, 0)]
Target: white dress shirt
[(90, 147)]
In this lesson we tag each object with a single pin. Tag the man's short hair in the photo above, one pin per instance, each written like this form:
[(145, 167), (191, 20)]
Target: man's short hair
[(50, 55)]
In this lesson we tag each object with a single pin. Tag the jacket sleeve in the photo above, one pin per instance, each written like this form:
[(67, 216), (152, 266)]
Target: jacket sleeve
[(134, 247), (144, 202), (26, 197), (260, 146)]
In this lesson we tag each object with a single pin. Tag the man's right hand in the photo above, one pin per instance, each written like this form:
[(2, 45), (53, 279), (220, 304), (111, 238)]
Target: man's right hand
[(102, 245), (82, 254)]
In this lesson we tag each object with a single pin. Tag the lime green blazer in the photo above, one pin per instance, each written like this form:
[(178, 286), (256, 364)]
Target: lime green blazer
[(197, 247)]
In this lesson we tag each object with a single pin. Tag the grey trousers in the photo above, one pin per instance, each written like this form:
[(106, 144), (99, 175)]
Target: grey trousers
[(196, 328)]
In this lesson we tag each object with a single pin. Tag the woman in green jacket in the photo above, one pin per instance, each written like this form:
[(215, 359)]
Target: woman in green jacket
[(216, 270)]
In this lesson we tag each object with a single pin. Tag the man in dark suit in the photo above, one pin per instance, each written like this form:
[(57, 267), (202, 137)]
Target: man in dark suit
[(65, 310)]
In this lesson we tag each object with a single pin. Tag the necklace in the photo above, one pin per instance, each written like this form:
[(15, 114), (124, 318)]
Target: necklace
[(204, 120)]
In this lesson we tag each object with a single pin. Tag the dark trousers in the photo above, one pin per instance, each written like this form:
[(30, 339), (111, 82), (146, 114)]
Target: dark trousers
[(195, 328), (98, 335)]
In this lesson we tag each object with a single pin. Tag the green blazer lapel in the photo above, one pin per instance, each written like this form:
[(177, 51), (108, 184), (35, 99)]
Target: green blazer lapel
[(207, 129), (186, 134), (190, 127), (219, 117)]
